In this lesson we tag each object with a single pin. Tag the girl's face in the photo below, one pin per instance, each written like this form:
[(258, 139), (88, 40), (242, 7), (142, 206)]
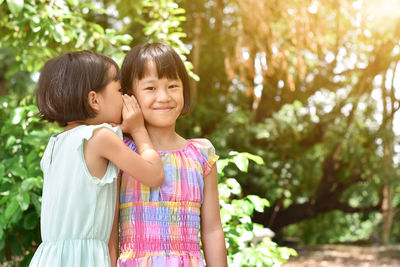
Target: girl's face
[(111, 103), (161, 100)]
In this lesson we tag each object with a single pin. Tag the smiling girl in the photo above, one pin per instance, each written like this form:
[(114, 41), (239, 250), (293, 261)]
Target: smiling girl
[(160, 226)]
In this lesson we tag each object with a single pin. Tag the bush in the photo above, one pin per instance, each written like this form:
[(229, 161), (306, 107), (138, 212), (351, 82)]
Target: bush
[(23, 141), (236, 220)]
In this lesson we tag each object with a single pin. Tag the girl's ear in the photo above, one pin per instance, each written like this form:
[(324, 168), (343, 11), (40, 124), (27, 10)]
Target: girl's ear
[(93, 101)]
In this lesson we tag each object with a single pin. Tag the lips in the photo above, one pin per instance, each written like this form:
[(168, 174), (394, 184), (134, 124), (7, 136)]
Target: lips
[(163, 109)]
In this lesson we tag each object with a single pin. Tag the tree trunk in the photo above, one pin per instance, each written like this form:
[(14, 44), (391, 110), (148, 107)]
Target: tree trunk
[(387, 189), (196, 56)]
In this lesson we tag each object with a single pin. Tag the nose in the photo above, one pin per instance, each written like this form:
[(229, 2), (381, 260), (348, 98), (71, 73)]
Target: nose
[(163, 95)]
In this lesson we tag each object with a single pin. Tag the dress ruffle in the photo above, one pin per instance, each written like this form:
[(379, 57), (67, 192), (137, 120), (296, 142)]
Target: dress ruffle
[(164, 261), (66, 253)]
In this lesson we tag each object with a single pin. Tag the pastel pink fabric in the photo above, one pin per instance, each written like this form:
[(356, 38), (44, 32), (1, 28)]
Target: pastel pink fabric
[(160, 226)]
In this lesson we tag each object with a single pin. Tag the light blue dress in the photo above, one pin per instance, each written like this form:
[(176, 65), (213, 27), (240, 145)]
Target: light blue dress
[(77, 208)]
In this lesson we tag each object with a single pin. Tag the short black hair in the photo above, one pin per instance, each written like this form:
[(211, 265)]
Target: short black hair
[(65, 82), (168, 65)]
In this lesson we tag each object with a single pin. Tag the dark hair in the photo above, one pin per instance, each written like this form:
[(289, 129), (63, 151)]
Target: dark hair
[(168, 64), (65, 82)]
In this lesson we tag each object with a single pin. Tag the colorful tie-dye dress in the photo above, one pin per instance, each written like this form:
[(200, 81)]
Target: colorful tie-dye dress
[(160, 226)]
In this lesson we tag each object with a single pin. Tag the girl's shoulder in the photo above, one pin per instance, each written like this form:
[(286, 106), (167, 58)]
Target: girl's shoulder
[(88, 130), (203, 146), (94, 133), (201, 143)]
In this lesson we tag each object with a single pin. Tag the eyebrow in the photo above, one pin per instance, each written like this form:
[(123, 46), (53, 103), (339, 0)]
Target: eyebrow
[(149, 81), (155, 80)]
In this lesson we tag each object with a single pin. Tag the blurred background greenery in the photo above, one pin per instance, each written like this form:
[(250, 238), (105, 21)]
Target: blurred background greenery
[(300, 99)]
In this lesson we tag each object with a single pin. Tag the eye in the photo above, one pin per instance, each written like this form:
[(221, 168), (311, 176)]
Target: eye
[(150, 88), (172, 86)]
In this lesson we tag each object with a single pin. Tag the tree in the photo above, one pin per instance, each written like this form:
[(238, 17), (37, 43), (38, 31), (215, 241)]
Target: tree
[(293, 82)]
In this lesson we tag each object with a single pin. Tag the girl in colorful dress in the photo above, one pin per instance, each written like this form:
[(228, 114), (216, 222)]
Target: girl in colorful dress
[(81, 91), (160, 226)]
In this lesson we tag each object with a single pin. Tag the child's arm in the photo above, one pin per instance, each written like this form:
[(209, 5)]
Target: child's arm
[(212, 235), (113, 243), (146, 167)]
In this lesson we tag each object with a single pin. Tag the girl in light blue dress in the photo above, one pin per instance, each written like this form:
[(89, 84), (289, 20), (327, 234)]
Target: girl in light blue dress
[(81, 91)]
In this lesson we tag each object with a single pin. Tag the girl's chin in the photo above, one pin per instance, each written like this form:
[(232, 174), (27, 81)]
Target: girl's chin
[(159, 124)]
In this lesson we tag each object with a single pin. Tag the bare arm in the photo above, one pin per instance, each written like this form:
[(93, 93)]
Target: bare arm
[(113, 243), (212, 235), (146, 167)]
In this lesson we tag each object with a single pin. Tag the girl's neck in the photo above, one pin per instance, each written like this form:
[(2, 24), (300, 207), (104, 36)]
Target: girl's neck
[(165, 139), (73, 124)]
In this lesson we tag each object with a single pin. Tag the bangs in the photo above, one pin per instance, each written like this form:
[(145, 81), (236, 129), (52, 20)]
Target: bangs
[(166, 65)]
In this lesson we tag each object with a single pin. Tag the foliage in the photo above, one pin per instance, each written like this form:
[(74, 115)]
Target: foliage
[(22, 140), (309, 86), (35, 31), (337, 227), (236, 212), (31, 33), (309, 89), (160, 21)]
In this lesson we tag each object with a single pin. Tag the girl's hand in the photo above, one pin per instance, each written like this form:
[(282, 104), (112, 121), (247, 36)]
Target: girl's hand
[(132, 117)]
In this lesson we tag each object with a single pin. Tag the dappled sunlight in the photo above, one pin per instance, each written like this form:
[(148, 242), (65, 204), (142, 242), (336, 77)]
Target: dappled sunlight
[(381, 11)]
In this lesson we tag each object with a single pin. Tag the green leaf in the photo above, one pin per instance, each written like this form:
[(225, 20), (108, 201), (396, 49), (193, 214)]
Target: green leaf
[(98, 28), (255, 158), (81, 39), (2, 170), (14, 245), (257, 202), (221, 164), (31, 221), (33, 155), (17, 115), (12, 207), (241, 162), (2, 244), (15, 6), (23, 200), (19, 171), (236, 189), (73, 2), (10, 141), (2, 221), (28, 184)]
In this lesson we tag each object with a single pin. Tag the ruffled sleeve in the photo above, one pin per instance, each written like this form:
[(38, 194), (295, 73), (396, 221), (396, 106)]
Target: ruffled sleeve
[(207, 154), (112, 170)]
